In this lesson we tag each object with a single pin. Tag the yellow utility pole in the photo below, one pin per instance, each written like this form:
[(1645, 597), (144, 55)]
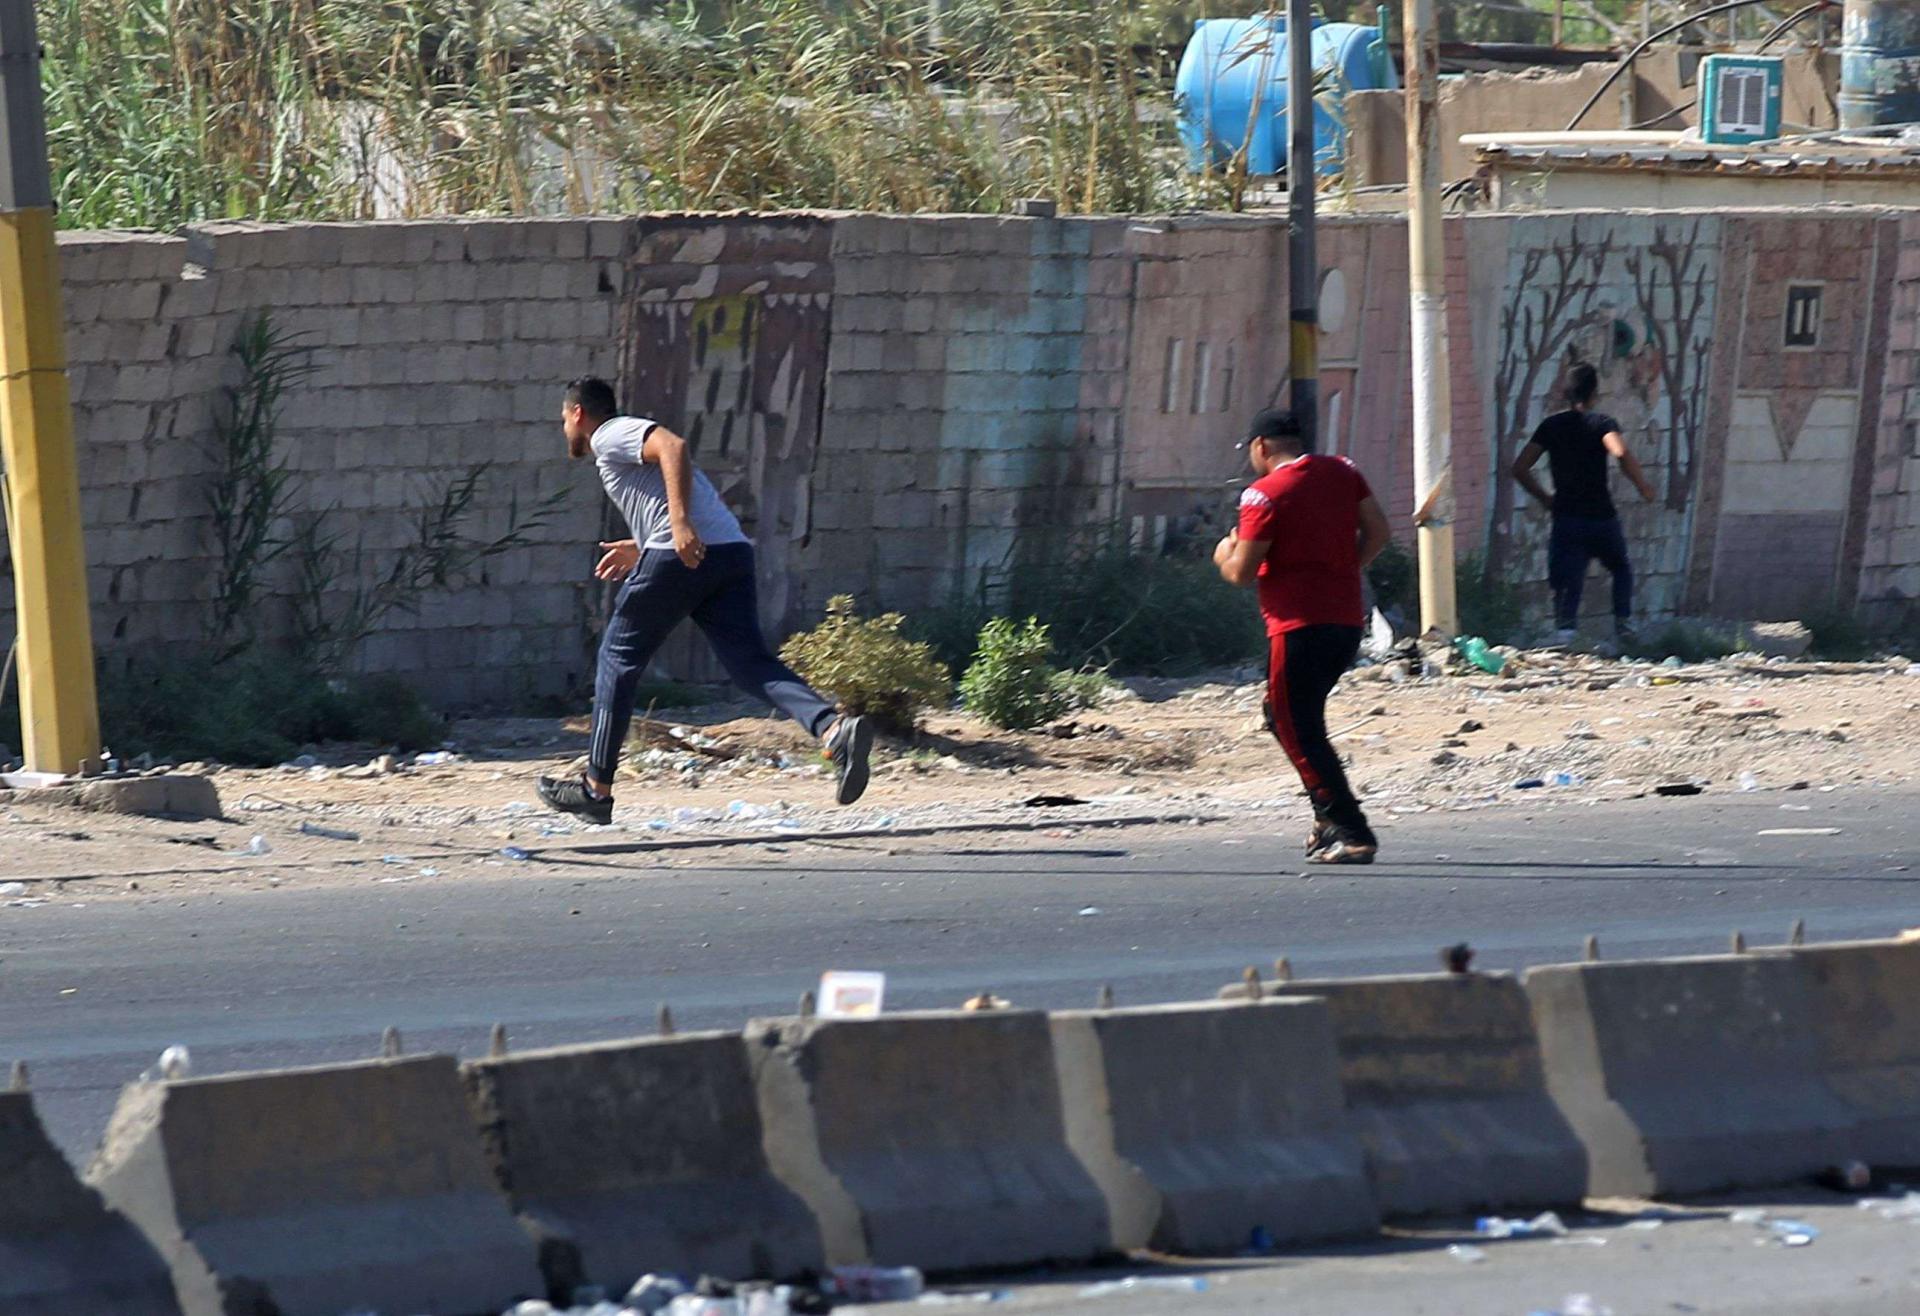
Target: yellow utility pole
[(59, 709)]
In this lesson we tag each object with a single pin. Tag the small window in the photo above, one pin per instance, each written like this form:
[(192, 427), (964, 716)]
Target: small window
[(1226, 382), (1170, 387), (1803, 316), (1202, 375), (1913, 440)]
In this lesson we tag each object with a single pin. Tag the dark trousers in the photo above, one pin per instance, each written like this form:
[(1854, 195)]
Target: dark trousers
[(1303, 666), (1576, 541), (720, 596)]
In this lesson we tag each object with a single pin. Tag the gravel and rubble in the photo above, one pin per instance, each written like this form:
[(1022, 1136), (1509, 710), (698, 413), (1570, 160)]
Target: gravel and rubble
[(1555, 730)]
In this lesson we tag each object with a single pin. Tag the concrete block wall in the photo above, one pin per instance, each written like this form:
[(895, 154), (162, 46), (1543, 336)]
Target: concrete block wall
[(902, 406)]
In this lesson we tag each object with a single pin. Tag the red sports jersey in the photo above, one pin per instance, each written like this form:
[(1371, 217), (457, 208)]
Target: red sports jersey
[(1310, 511)]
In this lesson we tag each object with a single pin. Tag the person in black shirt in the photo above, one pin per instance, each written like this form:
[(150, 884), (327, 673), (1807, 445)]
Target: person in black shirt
[(1576, 444)]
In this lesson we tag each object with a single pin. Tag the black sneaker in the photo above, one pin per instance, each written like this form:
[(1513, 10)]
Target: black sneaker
[(570, 795), (848, 746)]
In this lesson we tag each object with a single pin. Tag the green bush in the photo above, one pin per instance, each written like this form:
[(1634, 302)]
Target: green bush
[(1012, 685), (1108, 607), (1394, 579), (1840, 636), (254, 710), (1492, 609), (869, 667)]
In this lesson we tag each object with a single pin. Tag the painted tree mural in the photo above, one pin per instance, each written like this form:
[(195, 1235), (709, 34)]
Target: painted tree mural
[(1677, 330)]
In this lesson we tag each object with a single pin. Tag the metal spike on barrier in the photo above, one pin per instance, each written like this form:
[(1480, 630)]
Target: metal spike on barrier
[(1283, 969), (1739, 943), (390, 1043), (1252, 980), (18, 1082), (806, 1005), (1105, 1000), (664, 1021), (1798, 937), (1593, 948), (497, 1041)]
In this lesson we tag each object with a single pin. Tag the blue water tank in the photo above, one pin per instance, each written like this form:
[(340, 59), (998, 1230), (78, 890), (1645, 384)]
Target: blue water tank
[(1232, 62), (1880, 64)]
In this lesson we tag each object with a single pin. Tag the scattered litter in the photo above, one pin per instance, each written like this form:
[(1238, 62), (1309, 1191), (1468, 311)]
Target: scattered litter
[(1799, 831), (26, 903), (741, 811), (515, 853), (1547, 1222), (1749, 782), (1748, 1215), (1648, 1222), (1567, 779), (1145, 1284), (329, 833), (1678, 788), (394, 859), (1090, 911), (1053, 801), (651, 1293), (1529, 784), (12, 889), (1796, 808), (1585, 1240), (257, 846), (1466, 1253), (845, 995), (1576, 1304), (1901, 1208), (516, 807), (877, 1283), (435, 758), (1793, 1233), (429, 872)]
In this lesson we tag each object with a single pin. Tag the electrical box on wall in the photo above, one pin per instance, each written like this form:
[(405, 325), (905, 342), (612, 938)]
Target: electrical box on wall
[(1740, 99)]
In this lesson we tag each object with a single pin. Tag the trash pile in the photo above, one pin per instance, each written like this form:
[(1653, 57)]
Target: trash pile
[(669, 1295)]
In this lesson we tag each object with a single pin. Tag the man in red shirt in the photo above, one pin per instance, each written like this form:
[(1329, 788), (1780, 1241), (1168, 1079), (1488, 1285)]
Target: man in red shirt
[(1309, 525)]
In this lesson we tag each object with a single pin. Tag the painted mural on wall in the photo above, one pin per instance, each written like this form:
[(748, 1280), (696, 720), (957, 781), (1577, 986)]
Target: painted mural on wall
[(726, 343), (1635, 298)]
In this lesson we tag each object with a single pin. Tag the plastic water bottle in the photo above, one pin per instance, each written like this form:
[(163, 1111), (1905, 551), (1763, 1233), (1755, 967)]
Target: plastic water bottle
[(878, 1283), (1475, 650)]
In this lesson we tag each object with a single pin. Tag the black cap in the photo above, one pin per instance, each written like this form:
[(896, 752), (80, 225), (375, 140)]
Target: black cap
[(1272, 423)]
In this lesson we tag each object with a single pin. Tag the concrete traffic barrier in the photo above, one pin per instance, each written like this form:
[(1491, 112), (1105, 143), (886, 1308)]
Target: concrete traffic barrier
[(640, 1156), (1689, 1075), (932, 1140), (1446, 1091), (61, 1249), (1866, 1007), (311, 1192), (1204, 1123)]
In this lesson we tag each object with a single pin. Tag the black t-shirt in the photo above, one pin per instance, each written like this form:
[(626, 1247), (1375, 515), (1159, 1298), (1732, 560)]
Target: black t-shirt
[(1578, 459)]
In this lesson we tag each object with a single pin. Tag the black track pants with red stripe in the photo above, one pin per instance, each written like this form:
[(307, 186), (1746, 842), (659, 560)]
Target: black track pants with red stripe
[(1301, 671)]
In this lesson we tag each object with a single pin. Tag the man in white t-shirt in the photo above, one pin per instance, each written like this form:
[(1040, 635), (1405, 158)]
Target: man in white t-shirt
[(687, 558)]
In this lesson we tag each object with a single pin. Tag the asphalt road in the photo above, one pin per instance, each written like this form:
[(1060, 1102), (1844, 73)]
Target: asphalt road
[(92, 990)]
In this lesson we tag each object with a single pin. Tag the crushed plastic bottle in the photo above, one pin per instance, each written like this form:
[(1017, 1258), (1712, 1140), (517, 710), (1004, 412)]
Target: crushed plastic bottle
[(515, 853), (652, 1293), (1475, 650), (256, 847), (1466, 1254), (1749, 782), (877, 1283), (1567, 779), (328, 833), (1547, 1222), (1147, 1284)]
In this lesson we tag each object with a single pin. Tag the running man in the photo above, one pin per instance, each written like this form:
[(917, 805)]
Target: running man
[(687, 558), (1577, 443), (1309, 525)]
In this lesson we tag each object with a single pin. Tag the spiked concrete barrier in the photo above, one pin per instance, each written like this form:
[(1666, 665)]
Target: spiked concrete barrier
[(934, 1140), (1447, 1094), (1866, 999), (1689, 1075), (640, 1156), (61, 1249), (1204, 1123), (311, 1192)]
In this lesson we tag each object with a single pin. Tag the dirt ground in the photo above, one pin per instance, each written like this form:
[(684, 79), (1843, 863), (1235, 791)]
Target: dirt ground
[(1583, 729)]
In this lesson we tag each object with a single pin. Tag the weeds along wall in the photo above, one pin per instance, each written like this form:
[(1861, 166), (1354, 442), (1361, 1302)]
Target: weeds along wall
[(901, 407)]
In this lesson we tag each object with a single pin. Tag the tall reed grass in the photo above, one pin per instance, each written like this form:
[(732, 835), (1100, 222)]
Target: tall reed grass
[(169, 111)]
